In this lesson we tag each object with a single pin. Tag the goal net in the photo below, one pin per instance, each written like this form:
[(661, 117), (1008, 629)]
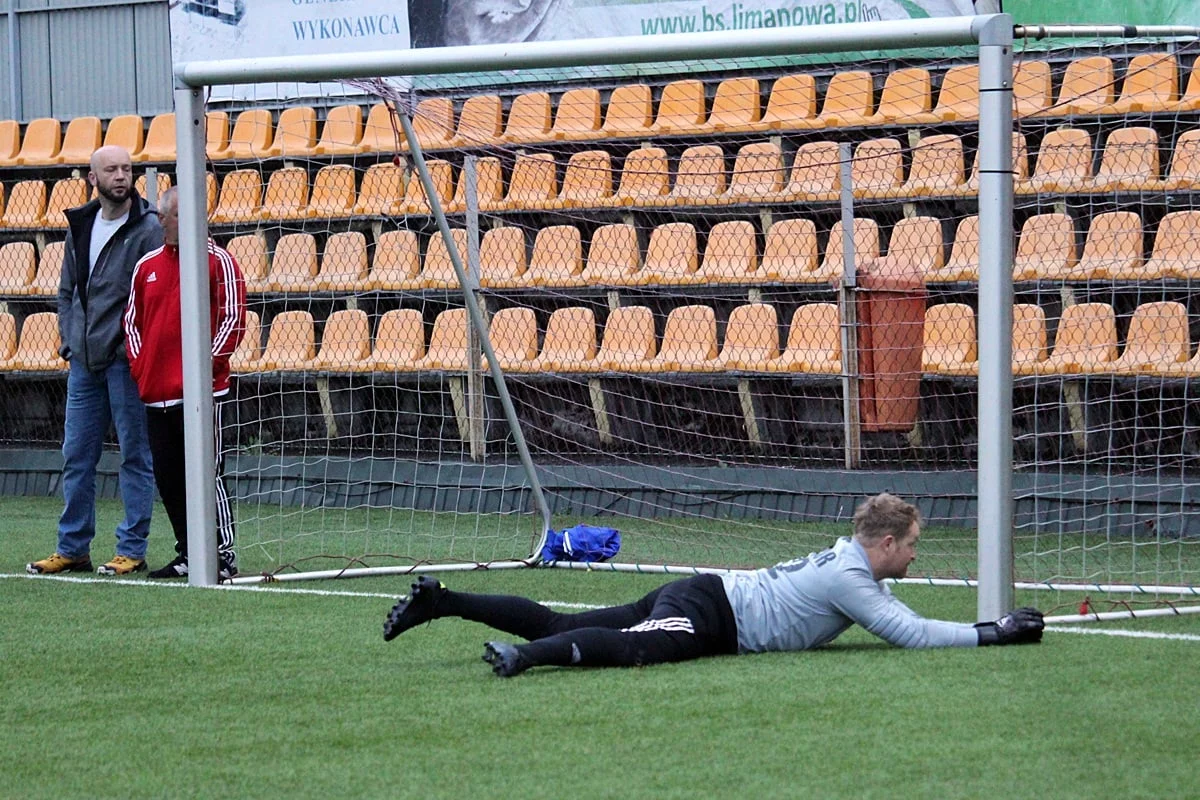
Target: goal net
[(728, 299)]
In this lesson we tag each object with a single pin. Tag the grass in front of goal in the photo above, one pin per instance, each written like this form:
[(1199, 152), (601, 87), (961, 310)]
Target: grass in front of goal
[(148, 691)]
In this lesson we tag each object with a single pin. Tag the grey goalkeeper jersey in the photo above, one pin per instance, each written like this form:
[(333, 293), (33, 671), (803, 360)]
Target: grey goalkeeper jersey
[(808, 602)]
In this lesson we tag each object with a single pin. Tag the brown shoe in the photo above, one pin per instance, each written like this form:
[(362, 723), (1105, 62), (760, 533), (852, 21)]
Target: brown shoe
[(122, 565), (59, 563)]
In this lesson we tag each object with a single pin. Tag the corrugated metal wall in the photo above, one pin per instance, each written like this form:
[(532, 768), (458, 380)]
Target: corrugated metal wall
[(85, 59)]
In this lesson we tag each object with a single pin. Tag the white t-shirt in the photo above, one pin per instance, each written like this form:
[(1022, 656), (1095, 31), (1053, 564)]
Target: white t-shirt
[(102, 230)]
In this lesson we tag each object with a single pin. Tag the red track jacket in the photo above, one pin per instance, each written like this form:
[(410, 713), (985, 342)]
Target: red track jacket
[(153, 333)]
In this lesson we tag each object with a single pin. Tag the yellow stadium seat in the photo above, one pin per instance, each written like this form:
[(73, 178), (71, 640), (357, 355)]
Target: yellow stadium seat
[(577, 116), (433, 123), (1032, 93), (250, 252), (343, 264), (878, 168), (629, 112), (382, 132), (448, 342), (296, 133), (287, 194), (345, 342), (737, 106), (1045, 248), (557, 257), (502, 261), (730, 256), (294, 264), (399, 341), (1129, 162), (613, 257), (671, 257), (382, 191), (49, 274), (245, 358), (757, 173), (216, 134), (240, 199), (291, 343), (480, 122), (489, 187), (534, 182), (1028, 338), (38, 345), (681, 108), (588, 181), (700, 179), (1087, 87), (26, 205), (397, 262), (416, 201), (251, 135), (792, 104), (958, 97), (814, 342), (342, 132), (1086, 341), (628, 340), (689, 342), (332, 192), (513, 334), (1151, 85), (964, 255), (849, 100), (790, 253), (18, 268), (1190, 99), (67, 193), (816, 173), (438, 270), (570, 342), (1185, 162), (907, 96), (528, 119), (1176, 251), (1157, 341), (127, 132), (937, 168), (950, 340), (751, 338), (1064, 162), (43, 140), (644, 178)]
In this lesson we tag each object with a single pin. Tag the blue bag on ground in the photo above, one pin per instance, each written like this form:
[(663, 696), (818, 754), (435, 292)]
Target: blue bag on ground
[(582, 543)]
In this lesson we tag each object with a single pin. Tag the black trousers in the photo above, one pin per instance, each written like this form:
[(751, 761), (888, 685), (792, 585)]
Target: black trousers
[(164, 427), (681, 620)]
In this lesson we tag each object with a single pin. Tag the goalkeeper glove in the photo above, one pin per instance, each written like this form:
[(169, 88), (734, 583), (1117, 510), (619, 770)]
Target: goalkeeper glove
[(1023, 626)]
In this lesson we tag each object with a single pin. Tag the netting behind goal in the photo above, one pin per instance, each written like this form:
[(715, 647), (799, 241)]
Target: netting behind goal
[(728, 302)]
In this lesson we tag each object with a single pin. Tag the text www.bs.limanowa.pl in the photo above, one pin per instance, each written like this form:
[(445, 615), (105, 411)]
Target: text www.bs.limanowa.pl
[(738, 17)]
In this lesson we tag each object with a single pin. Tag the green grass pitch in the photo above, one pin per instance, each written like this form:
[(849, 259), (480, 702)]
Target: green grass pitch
[(144, 691)]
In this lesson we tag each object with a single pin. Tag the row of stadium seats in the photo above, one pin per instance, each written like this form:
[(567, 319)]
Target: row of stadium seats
[(30, 205), (1086, 341), (1150, 84), (1046, 250)]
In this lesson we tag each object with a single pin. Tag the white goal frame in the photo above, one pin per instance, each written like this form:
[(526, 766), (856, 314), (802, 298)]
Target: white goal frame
[(991, 33)]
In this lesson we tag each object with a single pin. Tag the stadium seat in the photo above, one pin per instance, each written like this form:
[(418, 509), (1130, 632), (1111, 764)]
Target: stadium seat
[(577, 115), (1020, 167), (448, 342), (1045, 249), (382, 132), (613, 257), (751, 338), (588, 181), (332, 192), (8, 341), (958, 97), (26, 205), (433, 123), (438, 270), (296, 133), (792, 104), (245, 358), (1064, 163), (866, 249), (127, 132), (672, 257), (1176, 252), (570, 342), (737, 106), (1151, 85), (38, 345), (382, 191), (936, 169), (441, 173), (397, 262), (528, 119), (849, 100), (1157, 340), (1087, 87), (689, 342), (502, 261), (161, 184), (49, 274), (480, 122), (1185, 162), (1190, 99), (291, 343), (343, 264), (557, 259), (216, 134), (1113, 249), (730, 255), (67, 193), (877, 168), (630, 111), (790, 253), (757, 173), (644, 178), (210, 194), (814, 342), (345, 342), (294, 264), (907, 95), (287, 195), (489, 187), (43, 139), (700, 179), (18, 268), (1028, 338), (251, 136), (1129, 162), (250, 252), (964, 255), (534, 182), (10, 142), (681, 109), (950, 340), (399, 341), (513, 334), (916, 247), (1086, 341), (816, 173), (240, 199), (1032, 92), (628, 340), (341, 135)]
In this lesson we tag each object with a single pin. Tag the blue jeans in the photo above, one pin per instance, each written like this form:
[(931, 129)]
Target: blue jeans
[(94, 401)]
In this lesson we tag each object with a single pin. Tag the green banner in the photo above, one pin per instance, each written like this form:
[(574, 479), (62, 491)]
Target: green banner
[(1104, 12)]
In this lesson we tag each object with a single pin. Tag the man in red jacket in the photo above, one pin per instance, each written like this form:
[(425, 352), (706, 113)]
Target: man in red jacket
[(154, 342)]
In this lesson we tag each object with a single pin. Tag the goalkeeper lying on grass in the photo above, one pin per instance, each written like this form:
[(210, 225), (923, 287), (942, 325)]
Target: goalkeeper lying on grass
[(796, 605)]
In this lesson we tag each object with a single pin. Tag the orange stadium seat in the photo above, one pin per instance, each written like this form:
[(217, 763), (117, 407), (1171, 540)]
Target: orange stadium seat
[(1064, 162), (1086, 341), (287, 194), (958, 97), (291, 343), (502, 261), (1157, 340), (399, 341), (345, 342), (950, 340), (757, 173), (1113, 249), (700, 178), (433, 123), (528, 119), (240, 199), (42, 142), (644, 178), (570, 342), (416, 201), (588, 181), (161, 184), (790, 253), (1020, 167), (1087, 87), (10, 142), (480, 122), (343, 264), (866, 249), (814, 342), (513, 333), (1151, 85), (737, 106), (49, 274), (1185, 162), (613, 257), (1176, 251), (730, 256), (448, 342), (332, 192), (534, 182), (1032, 91), (672, 257), (964, 255), (251, 135), (250, 252), (557, 257), (382, 190), (294, 264), (792, 104), (66, 193), (1028, 338), (751, 338), (1045, 248), (937, 168), (816, 173), (906, 96), (246, 357), (216, 134), (127, 132), (8, 340), (18, 268), (26, 205), (38, 345), (681, 108), (689, 342), (577, 115), (1129, 162), (849, 100), (628, 342), (878, 168), (489, 187), (915, 248), (381, 132), (438, 269), (630, 111), (296, 133), (342, 132), (397, 262)]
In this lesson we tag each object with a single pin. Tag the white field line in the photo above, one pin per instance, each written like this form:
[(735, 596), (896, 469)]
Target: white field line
[(1187, 637)]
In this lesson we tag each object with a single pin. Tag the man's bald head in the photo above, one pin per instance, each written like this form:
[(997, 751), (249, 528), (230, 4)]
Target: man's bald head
[(112, 175)]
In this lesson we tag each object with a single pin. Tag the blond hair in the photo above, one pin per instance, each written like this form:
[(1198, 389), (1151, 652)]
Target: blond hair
[(884, 514)]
